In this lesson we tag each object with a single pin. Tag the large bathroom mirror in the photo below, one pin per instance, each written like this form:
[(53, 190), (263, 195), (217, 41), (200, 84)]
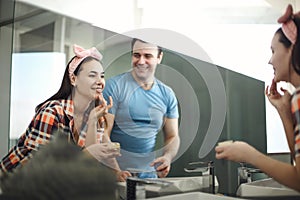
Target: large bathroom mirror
[(216, 103)]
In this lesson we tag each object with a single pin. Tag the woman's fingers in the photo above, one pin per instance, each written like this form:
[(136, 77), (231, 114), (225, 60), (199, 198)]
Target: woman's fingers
[(102, 108), (103, 151), (267, 91), (102, 100), (111, 103), (122, 175), (273, 88)]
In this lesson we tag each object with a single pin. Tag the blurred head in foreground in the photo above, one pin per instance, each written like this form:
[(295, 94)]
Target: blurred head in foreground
[(60, 170)]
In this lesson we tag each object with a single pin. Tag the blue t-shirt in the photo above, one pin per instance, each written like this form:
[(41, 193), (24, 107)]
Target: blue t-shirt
[(139, 117)]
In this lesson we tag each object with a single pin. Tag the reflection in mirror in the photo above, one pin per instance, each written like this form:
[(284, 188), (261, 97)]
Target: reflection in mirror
[(42, 44)]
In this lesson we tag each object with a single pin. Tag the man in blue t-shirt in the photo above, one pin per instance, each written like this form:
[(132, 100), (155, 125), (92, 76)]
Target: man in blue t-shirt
[(143, 106)]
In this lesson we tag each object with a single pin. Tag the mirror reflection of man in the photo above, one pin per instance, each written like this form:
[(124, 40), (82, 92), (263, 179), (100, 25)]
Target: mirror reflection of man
[(143, 106)]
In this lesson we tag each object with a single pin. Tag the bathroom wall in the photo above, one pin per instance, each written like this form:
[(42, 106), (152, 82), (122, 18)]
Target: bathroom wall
[(6, 38)]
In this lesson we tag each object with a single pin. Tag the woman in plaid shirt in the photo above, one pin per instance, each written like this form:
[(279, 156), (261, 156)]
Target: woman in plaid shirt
[(285, 60), (76, 110)]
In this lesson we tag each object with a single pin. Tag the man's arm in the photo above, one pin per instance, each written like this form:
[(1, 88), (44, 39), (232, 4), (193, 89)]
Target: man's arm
[(171, 138), (171, 146)]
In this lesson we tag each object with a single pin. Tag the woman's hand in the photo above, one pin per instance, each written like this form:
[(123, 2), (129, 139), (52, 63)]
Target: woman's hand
[(122, 175), (103, 151), (281, 102), (236, 151), (101, 109)]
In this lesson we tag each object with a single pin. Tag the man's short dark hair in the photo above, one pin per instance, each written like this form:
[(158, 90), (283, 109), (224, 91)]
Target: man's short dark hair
[(134, 40)]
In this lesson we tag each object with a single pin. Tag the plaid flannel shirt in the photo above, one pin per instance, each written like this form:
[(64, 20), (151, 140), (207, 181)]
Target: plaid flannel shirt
[(296, 119), (53, 116)]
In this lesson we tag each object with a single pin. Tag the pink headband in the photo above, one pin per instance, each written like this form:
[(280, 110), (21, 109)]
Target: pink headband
[(81, 54), (289, 27)]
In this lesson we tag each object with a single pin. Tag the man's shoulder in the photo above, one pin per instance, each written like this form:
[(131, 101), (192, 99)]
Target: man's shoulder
[(117, 77), (163, 86), (119, 81)]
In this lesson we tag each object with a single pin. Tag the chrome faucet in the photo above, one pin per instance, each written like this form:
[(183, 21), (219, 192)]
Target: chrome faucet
[(207, 169), (135, 187), (245, 174)]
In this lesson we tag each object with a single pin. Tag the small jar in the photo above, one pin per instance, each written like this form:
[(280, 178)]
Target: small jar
[(140, 191)]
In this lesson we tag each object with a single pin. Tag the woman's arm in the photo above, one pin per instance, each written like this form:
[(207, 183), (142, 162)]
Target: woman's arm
[(39, 132), (282, 104), (98, 112), (284, 173), (104, 153)]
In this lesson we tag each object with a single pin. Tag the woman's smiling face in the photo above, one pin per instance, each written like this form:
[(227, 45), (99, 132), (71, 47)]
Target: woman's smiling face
[(90, 80), (280, 59)]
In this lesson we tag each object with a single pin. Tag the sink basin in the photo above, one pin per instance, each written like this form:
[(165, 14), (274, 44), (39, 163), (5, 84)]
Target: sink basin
[(183, 184), (179, 185), (265, 187), (195, 196)]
